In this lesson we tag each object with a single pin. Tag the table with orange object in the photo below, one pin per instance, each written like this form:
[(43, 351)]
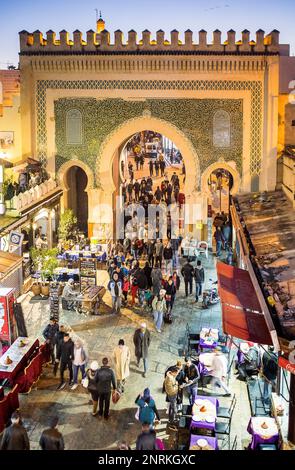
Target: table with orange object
[(204, 413), (19, 353)]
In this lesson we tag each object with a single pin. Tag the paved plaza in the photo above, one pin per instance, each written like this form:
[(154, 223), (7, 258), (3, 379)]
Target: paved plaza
[(101, 334)]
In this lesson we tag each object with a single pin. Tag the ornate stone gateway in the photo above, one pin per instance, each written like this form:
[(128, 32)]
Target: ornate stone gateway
[(81, 100)]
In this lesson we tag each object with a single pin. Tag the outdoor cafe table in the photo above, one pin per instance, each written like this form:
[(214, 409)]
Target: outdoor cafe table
[(211, 404), (212, 441), (270, 435), (208, 342), (19, 356)]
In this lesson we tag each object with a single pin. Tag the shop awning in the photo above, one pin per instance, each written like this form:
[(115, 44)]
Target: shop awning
[(242, 316), (8, 262)]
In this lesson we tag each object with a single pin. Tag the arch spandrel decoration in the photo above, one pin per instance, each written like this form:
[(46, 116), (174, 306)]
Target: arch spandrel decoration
[(104, 159), (221, 129), (254, 86)]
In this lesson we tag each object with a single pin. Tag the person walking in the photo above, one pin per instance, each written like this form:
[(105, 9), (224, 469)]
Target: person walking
[(156, 279), (170, 296), (269, 371), (147, 440), (219, 240), (121, 357), (129, 190), (171, 389), (15, 437), (157, 168), (159, 252), (159, 309), (115, 287), (151, 167), (65, 355), (151, 252), (147, 408), (136, 188), (105, 382), (158, 194), (219, 369), (92, 387), (168, 255), (199, 275), (51, 438), (142, 340), (187, 272), (142, 285), (79, 362), (49, 334), (148, 274)]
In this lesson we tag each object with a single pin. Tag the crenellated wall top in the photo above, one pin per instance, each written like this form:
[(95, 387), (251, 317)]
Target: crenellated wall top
[(95, 43)]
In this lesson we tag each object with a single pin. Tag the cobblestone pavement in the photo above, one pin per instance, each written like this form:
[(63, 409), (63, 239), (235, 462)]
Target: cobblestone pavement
[(83, 431)]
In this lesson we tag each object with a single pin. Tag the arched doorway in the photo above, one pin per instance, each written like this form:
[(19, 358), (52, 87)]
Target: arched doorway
[(150, 170), (77, 181), (219, 181), (77, 197), (108, 160)]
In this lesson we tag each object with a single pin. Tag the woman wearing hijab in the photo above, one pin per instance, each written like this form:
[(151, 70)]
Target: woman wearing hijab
[(147, 408)]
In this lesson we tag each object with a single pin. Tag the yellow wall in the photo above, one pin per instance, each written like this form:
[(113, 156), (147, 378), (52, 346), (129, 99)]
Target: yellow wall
[(11, 121)]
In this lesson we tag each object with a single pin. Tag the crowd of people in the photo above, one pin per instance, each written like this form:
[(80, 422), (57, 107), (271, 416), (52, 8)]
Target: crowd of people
[(144, 191), (152, 282)]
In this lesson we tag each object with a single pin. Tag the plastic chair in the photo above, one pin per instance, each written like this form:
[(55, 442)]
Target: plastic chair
[(202, 248)]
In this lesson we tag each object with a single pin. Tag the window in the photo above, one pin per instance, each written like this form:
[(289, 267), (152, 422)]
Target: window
[(221, 129), (74, 127), (293, 123)]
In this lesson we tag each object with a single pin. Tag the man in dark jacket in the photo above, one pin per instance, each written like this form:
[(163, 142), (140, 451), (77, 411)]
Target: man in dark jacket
[(151, 252), (136, 188), (191, 377), (49, 334), (142, 339), (142, 285), (51, 438), (151, 167), (105, 378), (188, 273), (147, 439), (65, 355), (15, 437), (269, 370), (199, 276)]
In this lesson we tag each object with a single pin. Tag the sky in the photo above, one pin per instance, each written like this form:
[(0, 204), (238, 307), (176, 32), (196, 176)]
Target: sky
[(16, 15)]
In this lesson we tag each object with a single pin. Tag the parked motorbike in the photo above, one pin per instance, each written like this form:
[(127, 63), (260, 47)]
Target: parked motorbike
[(210, 295)]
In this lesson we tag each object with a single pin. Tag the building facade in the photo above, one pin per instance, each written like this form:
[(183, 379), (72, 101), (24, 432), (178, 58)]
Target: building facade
[(81, 99)]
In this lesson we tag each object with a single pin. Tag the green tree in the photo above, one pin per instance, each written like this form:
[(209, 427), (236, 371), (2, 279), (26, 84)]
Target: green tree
[(67, 225)]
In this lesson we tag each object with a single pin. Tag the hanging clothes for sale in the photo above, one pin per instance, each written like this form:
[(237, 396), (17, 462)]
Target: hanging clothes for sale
[(54, 301)]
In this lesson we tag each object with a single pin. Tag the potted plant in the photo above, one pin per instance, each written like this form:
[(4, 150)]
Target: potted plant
[(36, 258), (49, 264), (44, 261)]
